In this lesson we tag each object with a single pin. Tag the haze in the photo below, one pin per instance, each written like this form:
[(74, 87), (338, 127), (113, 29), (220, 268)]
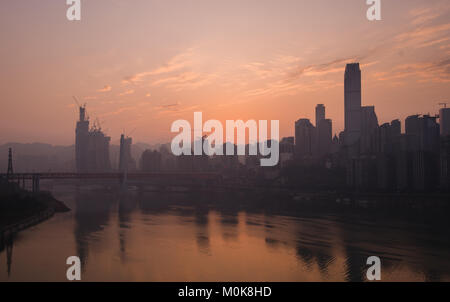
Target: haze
[(140, 65)]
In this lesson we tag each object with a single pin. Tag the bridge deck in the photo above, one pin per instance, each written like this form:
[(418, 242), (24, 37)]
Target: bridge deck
[(116, 175)]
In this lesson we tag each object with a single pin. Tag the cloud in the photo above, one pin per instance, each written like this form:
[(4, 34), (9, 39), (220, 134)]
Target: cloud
[(175, 109), (172, 106), (437, 71), (184, 80), (121, 110), (128, 92), (427, 27), (105, 88), (177, 63), (424, 15), (89, 98)]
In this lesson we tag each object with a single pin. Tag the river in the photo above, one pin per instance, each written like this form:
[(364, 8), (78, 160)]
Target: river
[(137, 236)]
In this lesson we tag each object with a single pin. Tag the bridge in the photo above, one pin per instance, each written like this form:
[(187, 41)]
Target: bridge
[(186, 179), (149, 178)]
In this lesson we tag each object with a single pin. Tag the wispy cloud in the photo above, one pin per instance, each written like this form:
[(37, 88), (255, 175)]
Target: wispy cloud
[(438, 71), (427, 14), (177, 63), (105, 88), (87, 98), (128, 92)]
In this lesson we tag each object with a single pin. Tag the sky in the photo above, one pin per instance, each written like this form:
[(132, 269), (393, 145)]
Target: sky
[(140, 65)]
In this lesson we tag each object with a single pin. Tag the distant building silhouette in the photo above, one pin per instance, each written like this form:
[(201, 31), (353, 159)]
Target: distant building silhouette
[(369, 127), (352, 103), (305, 139), (91, 147), (151, 161), (320, 113), (444, 121), (287, 149), (445, 163), (126, 161)]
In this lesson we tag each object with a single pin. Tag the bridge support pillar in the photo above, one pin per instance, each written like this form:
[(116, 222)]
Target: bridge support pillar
[(36, 180)]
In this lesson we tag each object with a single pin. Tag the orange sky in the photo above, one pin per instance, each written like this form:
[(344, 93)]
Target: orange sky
[(143, 64)]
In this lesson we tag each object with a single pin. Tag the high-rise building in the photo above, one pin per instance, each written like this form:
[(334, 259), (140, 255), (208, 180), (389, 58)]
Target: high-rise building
[(352, 103), (444, 121), (369, 127), (91, 147), (126, 162), (305, 138), (445, 163), (324, 137), (320, 113), (81, 142), (423, 134), (323, 132), (287, 146)]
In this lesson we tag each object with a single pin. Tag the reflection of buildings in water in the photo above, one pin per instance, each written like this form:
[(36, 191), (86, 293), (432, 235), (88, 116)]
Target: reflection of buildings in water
[(201, 219), (312, 239), (8, 244), (336, 246), (398, 241), (314, 244), (127, 205), (355, 264), (9, 253), (151, 203), (91, 215), (229, 223)]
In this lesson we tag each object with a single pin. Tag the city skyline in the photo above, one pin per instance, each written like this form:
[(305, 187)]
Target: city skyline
[(143, 74), (223, 147)]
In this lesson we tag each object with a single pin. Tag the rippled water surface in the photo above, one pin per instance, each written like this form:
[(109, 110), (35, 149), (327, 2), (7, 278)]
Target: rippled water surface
[(184, 237)]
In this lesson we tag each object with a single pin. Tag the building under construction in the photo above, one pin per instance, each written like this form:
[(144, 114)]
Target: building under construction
[(91, 146)]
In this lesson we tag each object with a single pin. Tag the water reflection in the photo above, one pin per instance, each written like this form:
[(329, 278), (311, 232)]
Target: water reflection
[(92, 215), (7, 243), (147, 236)]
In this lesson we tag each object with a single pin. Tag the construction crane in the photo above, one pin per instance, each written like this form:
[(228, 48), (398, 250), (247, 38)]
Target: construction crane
[(76, 101)]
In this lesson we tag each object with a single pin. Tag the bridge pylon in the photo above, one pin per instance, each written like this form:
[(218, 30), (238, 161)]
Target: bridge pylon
[(10, 164)]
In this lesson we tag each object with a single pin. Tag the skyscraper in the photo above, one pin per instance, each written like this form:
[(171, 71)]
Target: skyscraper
[(352, 103), (126, 162), (81, 142), (305, 138), (444, 121), (369, 127), (324, 137), (91, 147), (320, 113)]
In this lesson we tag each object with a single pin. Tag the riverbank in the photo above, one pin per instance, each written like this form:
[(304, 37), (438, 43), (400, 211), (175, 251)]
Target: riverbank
[(18, 206)]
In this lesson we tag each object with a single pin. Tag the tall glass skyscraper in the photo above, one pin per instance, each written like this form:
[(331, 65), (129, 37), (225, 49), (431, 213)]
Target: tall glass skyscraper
[(352, 99)]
